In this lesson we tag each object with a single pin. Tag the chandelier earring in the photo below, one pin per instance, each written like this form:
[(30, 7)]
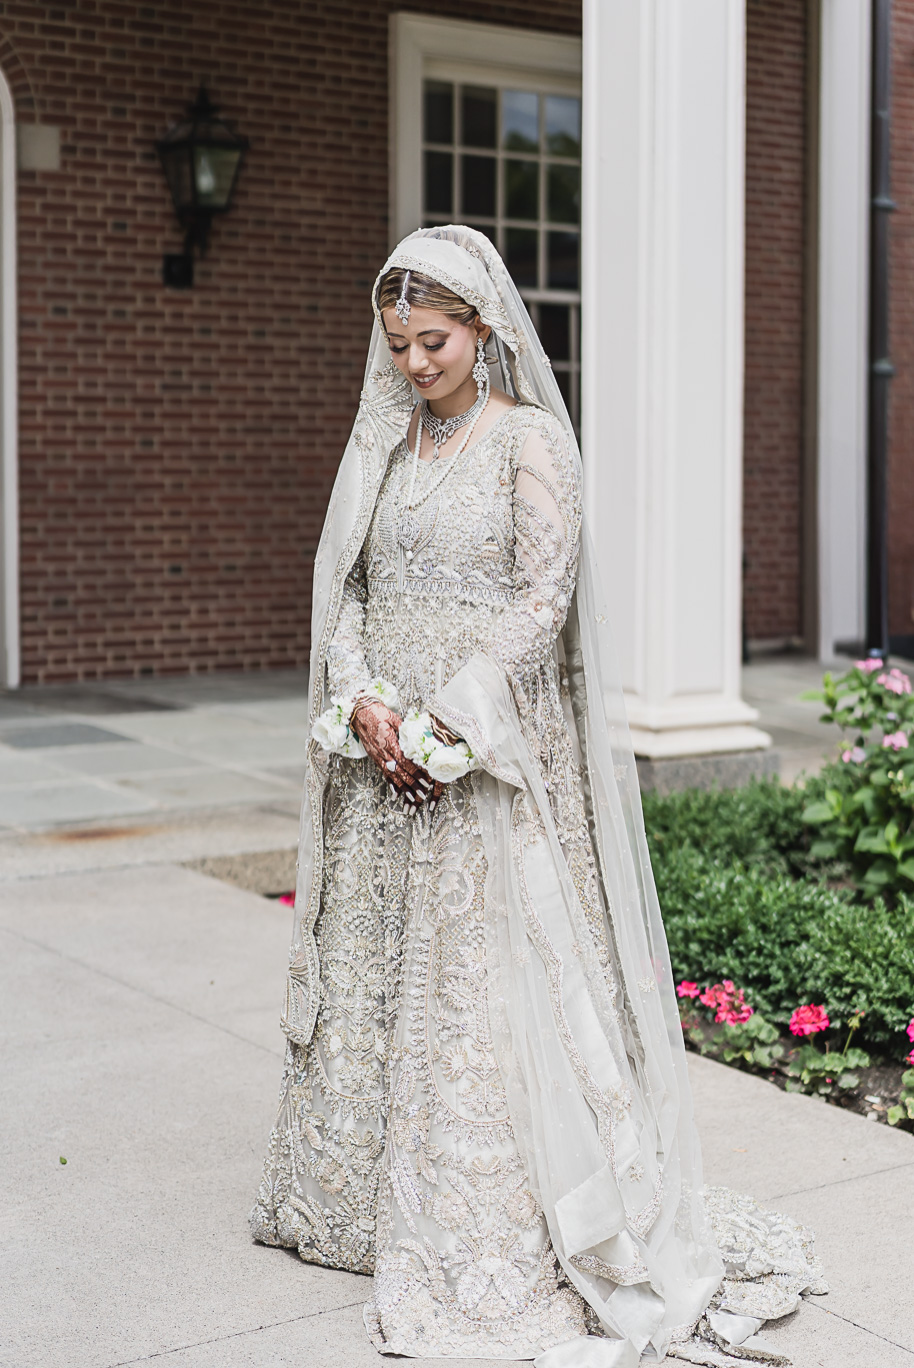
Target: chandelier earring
[(481, 369)]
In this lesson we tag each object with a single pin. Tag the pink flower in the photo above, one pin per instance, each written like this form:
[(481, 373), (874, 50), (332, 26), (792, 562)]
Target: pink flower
[(736, 1012), (909, 1058), (910, 1030), (895, 681), (854, 756), (687, 989), (729, 1003), (868, 666), (287, 900), (895, 741), (733, 1008), (807, 1020)]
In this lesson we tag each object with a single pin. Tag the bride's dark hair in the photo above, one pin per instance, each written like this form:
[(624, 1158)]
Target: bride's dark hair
[(425, 293)]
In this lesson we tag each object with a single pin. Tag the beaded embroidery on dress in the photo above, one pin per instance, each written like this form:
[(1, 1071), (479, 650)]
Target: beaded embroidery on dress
[(484, 1101), (464, 1264)]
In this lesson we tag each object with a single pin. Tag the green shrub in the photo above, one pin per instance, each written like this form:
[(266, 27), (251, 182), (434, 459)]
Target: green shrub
[(785, 940), (760, 826), (863, 812)]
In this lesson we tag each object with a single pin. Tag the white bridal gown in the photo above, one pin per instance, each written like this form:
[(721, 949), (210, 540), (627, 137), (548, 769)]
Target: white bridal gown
[(393, 1152)]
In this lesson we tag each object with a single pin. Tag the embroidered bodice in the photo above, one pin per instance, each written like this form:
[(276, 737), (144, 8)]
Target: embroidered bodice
[(491, 570)]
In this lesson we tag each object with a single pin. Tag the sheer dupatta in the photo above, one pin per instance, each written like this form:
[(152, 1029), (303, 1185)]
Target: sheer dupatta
[(593, 1063)]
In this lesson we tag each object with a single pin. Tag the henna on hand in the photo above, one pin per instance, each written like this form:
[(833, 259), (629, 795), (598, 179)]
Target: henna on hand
[(377, 727), (442, 732)]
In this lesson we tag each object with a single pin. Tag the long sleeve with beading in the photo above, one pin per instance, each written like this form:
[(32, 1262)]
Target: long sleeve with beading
[(547, 530), (347, 667)]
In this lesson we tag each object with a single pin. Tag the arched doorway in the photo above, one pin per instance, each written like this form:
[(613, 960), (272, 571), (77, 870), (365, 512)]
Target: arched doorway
[(9, 422)]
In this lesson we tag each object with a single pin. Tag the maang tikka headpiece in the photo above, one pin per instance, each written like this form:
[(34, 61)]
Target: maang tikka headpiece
[(401, 308)]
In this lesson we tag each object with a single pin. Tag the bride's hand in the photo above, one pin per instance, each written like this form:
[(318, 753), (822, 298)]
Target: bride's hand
[(377, 727), (442, 732)]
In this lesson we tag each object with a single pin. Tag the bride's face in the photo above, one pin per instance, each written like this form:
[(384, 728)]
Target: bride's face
[(434, 352)]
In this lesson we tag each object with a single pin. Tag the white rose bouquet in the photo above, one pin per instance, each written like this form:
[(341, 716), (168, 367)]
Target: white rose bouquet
[(331, 729), (442, 762)]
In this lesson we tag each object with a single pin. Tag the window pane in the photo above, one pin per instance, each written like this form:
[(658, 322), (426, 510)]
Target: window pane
[(520, 121), (478, 185), (522, 189), (555, 331), (438, 183), (520, 255), (563, 193), (439, 112), (478, 121), (563, 125), (563, 261)]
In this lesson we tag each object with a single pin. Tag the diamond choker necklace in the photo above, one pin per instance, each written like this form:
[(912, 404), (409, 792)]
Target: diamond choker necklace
[(441, 429)]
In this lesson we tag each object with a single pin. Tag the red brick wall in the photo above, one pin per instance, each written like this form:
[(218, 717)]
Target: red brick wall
[(775, 176), (177, 449), (901, 449)]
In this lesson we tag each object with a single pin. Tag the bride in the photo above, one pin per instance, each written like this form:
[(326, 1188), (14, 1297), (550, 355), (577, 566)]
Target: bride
[(485, 1101)]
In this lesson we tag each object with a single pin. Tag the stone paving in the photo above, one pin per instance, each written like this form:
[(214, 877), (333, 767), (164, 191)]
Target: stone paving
[(158, 754), (82, 754), (139, 996)]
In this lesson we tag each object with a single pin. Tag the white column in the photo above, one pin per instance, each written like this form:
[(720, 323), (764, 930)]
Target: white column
[(664, 93), (844, 132)]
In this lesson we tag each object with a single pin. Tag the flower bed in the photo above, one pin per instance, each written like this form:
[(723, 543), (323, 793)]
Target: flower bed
[(749, 899), (843, 1074)]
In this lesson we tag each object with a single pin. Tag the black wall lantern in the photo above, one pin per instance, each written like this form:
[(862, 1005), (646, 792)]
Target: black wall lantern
[(201, 158)]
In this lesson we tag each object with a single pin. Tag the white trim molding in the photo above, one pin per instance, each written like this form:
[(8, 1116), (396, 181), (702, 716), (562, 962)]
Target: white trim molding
[(662, 359), (844, 175), (9, 392), (457, 49)]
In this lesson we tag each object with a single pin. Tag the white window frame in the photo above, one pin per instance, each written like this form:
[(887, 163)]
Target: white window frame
[(455, 49)]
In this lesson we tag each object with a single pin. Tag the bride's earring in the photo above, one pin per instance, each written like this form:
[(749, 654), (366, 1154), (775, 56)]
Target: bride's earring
[(480, 370)]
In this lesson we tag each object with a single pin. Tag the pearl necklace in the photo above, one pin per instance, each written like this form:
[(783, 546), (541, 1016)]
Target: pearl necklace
[(409, 528)]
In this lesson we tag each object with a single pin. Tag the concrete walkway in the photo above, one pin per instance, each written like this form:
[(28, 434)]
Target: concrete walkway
[(172, 758), (116, 751), (139, 1009), (141, 1044)]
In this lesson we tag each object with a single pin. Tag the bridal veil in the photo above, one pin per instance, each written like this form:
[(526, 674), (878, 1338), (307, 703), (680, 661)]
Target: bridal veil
[(592, 1057)]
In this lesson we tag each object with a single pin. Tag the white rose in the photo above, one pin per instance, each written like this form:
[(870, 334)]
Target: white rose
[(352, 746), (328, 731), (447, 763), (385, 691), (413, 730)]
